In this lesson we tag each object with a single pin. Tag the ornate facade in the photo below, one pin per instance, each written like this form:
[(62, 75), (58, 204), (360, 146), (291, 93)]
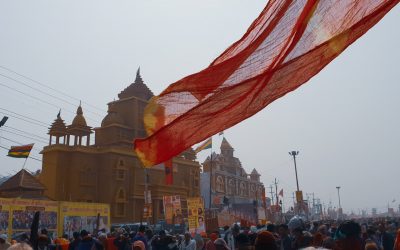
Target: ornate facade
[(109, 171), (231, 186)]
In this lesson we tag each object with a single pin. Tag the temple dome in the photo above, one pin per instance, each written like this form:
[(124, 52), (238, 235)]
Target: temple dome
[(112, 117), (137, 89), (225, 144), (79, 120), (58, 127)]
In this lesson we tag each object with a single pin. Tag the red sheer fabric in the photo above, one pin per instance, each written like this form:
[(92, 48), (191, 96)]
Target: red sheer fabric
[(291, 41)]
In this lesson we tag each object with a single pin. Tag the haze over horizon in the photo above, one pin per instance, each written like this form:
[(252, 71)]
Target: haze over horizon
[(343, 121)]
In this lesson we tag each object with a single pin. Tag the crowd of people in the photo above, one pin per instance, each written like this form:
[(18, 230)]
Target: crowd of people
[(296, 234)]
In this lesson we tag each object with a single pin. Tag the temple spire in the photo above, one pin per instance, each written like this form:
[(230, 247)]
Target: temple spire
[(138, 77)]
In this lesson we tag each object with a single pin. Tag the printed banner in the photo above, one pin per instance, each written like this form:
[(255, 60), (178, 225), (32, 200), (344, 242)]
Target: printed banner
[(4, 216), (196, 215), (173, 209), (76, 216), (22, 212), (147, 211)]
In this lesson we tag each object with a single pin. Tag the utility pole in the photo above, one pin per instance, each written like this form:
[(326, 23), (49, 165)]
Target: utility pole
[(300, 202), (276, 191), (146, 193), (340, 206), (338, 193), (272, 195), (2, 122), (294, 154)]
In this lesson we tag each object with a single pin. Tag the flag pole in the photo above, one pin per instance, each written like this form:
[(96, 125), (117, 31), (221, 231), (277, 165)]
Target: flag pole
[(23, 166)]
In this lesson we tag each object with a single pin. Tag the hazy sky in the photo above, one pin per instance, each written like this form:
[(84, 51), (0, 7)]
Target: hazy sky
[(345, 121)]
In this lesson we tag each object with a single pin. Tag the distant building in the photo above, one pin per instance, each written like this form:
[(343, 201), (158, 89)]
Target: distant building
[(231, 187), (23, 185), (109, 171)]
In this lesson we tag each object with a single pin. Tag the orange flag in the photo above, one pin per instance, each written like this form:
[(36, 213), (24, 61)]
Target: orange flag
[(290, 42)]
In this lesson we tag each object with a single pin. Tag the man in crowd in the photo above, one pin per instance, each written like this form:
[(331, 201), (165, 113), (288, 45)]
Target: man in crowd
[(188, 243)]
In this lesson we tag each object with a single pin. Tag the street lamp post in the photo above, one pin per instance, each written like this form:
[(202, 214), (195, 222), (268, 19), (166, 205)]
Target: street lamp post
[(338, 193), (340, 206), (294, 154), (299, 202)]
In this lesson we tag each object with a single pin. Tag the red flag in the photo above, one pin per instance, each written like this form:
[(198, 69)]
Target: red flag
[(169, 178), (290, 42), (281, 192)]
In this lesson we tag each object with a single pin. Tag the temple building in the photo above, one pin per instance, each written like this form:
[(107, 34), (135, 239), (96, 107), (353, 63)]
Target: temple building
[(109, 171), (23, 185), (231, 187)]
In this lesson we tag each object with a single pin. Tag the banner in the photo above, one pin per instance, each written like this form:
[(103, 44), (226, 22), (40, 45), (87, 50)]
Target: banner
[(299, 196), (261, 213), (147, 197), (76, 216), (196, 215), (147, 211), (22, 212), (4, 216), (173, 209), (226, 219)]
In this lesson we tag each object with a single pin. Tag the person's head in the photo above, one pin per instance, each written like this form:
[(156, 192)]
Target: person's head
[(242, 239), (162, 233), (235, 229), (371, 246), (220, 244), (84, 233), (317, 240), (382, 227), (297, 232), (350, 229), (149, 234), (138, 245), (370, 232), (265, 240), (213, 236), (102, 236), (271, 228), (141, 229), (323, 230), (296, 224), (283, 230), (328, 243), (187, 236), (75, 235), (43, 240), (3, 238), (20, 246)]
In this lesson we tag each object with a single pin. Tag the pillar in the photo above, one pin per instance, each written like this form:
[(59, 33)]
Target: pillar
[(88, 140), (57, 139), (226, 185), (68, 140), (50, 140), (75, 140)]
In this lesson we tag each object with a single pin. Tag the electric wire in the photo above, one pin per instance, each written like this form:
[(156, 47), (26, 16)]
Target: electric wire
[(31, 134), (33, 119), (25, 136), (47, 86), (43, 101)]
